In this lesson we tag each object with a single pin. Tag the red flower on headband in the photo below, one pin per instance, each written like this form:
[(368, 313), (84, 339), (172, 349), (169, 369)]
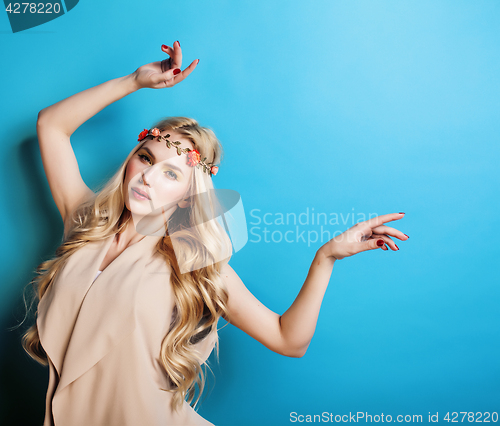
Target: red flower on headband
[(214, 170), (194, 157), (143, 134), (155, 132)]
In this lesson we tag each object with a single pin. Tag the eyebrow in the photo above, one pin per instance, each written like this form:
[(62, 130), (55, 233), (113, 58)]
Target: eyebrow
[(145, 148)]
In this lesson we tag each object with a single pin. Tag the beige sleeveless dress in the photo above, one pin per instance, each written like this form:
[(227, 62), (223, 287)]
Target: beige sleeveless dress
[(103, 338)]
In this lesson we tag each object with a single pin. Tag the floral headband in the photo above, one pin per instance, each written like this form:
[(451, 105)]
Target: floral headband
[(194, 157)]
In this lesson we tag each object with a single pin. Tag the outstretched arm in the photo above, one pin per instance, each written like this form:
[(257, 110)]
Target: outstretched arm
[(290, 334)]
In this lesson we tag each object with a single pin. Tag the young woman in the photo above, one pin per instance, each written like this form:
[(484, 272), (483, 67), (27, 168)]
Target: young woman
[(128, 307)]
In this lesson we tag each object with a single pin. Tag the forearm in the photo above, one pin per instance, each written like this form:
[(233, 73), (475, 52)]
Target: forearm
[(298, 323), (70, 113)]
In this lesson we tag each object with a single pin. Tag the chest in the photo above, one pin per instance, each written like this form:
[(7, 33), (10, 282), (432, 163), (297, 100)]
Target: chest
[(113, 252)]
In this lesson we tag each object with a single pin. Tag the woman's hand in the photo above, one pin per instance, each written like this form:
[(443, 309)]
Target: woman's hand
[(368, 235), (166, 73)]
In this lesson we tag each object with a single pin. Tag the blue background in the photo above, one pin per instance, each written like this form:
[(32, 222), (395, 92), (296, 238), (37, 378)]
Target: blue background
[(344, 107)]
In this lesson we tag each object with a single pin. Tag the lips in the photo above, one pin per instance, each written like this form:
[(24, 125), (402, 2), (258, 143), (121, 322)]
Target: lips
[(144, 194)]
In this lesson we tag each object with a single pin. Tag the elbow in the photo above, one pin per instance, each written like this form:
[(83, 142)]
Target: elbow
[(39, 119), (301, 352), (296, 352), (43, 117)]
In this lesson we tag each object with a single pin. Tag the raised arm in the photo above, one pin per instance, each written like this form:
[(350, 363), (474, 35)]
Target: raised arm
[(290, 334), (54, 127), (56, 123)]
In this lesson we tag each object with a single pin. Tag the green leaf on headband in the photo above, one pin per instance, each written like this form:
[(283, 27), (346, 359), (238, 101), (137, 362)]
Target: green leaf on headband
[(176, 143), (204, 159), (178, 151), (167, 136)]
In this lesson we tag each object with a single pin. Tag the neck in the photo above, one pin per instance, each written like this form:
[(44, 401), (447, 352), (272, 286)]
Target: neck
[(137, 227)]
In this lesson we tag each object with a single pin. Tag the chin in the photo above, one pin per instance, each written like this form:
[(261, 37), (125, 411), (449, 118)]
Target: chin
[(140, 210)]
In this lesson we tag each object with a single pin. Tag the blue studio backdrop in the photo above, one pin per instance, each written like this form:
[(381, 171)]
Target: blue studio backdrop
[(329, 112)]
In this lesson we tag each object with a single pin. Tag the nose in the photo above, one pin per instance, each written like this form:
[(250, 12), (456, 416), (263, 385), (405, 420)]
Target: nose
[(146, 176)]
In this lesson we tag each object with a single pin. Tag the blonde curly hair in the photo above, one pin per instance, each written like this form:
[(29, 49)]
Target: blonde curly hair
[(200, 295)]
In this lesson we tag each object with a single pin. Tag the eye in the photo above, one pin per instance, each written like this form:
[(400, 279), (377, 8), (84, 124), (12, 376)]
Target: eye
[(141, 156), (171, 175)]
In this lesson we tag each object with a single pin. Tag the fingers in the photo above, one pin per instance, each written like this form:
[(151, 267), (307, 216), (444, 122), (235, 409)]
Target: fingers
[(380, 220), (390, 231), (166, 76), (175, 54), (377, 241), (371, 244), (183, 74), (165, 65), (387, 240), (175, 63)]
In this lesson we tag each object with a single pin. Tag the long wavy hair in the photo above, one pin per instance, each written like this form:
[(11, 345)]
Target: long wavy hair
[(200, 244)]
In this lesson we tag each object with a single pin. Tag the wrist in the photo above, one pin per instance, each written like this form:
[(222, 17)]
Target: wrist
[(322, 257), (131, 82)]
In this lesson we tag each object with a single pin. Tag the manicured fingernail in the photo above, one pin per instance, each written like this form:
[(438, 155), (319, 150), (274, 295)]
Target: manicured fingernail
[(407, 236), (401, 213), (178, 43), (396, 246), (177, 71), (163, 46), (380, 243)]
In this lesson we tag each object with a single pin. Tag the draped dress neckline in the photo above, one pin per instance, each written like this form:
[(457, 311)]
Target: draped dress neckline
[(75, 339)]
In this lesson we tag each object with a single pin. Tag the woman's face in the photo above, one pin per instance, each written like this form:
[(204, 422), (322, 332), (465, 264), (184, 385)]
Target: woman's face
[(159, 173)]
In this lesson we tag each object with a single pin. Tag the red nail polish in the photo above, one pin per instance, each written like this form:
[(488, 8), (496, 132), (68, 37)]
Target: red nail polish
[(178, 43), (407, 236), (380, 243), (163, 46), (401, 213), (177, 71), (396, 246)]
